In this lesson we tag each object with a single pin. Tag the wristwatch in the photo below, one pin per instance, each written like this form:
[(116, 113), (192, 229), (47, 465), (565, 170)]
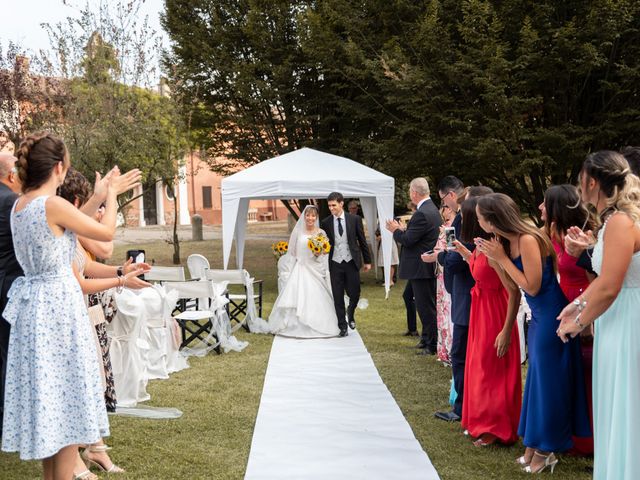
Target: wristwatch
[(120, 272)]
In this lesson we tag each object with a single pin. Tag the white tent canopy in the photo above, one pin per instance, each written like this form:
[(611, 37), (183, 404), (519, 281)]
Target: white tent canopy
[(306, 173)]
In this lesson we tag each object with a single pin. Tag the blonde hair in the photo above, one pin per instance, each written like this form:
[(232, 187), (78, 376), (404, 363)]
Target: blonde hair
[(621, 187)]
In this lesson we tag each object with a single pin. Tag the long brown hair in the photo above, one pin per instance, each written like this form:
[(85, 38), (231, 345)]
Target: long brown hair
[(503, 213), (564, 210), (37, 156)]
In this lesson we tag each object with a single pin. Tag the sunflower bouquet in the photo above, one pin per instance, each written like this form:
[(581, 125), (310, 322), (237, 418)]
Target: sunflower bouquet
[(279, 249), (319, 244)]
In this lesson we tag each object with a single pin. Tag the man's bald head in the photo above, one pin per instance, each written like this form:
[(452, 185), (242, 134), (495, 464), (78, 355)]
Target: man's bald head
[(7, 163), (8, 175)]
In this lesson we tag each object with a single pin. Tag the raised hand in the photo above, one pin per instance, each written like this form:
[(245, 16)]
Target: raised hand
[(129, 266), (492, 248), (576, 241), (125, 182), (393, 225), (101, 185)]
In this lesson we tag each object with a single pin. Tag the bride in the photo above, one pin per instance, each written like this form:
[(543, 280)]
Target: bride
[(304, 308)]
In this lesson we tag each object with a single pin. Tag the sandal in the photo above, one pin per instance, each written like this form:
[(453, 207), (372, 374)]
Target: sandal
[(485, 440), (86, 475), (95, 463), (550, 461)]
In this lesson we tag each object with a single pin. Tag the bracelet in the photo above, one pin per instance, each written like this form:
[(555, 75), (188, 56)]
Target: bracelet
[(121, 281), (580, 304), (578, 322)]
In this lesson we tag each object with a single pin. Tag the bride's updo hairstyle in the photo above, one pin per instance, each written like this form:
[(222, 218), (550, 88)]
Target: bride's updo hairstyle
[(502, 212), (620, 187), (37, 156)]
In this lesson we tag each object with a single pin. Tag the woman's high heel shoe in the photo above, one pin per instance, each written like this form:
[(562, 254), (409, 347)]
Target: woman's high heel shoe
[(522, 461), (91, 462), (550, 461)]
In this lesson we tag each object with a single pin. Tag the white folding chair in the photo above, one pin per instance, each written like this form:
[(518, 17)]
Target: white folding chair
[(239, 303), (197, 265), (195, 323), (165, 274)]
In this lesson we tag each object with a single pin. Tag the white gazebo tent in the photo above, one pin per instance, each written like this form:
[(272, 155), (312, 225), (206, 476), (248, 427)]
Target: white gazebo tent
[(306, 173)]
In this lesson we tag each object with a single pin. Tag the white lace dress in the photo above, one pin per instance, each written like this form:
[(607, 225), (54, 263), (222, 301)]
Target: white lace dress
[(304, 308), (53, 391)]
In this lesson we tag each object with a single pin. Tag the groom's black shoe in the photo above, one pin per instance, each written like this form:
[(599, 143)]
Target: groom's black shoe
[(421, 344), (343, 332), (352, 324)]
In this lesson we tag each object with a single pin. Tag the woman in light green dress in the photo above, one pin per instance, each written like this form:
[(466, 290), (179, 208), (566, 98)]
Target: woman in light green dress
[(612, 301)]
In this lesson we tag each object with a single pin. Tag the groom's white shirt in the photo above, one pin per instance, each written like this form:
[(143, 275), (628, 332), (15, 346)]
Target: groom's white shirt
[(341, 252)]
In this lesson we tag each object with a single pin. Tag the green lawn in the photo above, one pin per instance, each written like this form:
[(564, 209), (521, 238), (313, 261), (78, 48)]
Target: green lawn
[(220, 394)]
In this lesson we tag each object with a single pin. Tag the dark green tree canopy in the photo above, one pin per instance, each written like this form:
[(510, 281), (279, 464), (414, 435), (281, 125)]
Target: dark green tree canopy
[(512, 94)]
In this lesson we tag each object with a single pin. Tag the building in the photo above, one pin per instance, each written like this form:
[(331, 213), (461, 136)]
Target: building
[(197, 191)]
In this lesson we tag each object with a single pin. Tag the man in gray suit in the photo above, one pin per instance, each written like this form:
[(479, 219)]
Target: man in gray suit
[(420, 236), (9, 267)]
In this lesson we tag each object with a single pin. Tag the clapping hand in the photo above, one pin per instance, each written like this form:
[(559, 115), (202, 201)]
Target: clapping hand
[(101, 185), (576, 241), (493, 249), (393, 225), (131, 279), (124, 183), (432, 256)]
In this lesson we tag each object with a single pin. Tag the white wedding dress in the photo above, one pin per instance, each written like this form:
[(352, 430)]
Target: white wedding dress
[(304, 308)]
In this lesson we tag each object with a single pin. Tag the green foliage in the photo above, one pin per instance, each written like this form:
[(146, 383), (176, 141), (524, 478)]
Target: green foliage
[(512, 94)]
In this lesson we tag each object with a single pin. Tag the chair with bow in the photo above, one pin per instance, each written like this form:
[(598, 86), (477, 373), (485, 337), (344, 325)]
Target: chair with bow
[(242, 304)]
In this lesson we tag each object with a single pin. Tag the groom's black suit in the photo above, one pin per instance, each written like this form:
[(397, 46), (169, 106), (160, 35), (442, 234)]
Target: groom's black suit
[(345, 276)]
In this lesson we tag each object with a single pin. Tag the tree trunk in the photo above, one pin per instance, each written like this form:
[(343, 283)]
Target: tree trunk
[(176, 240)]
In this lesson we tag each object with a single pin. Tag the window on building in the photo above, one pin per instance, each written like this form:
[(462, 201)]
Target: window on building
[(206, 197)]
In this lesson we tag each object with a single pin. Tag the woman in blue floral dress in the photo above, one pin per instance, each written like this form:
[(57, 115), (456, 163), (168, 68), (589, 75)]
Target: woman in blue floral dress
[(53, 396)]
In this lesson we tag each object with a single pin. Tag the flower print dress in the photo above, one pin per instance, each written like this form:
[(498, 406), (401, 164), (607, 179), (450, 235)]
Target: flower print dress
[(53, 393)]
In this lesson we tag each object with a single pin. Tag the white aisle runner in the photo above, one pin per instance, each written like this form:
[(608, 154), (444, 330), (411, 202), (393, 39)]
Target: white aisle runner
[(326, 414)]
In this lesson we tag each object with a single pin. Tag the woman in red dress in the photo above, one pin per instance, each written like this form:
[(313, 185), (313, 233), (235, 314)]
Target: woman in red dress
[(561, 210), (493, 384)]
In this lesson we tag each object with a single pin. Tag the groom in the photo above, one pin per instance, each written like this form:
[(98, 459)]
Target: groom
[(348, 248)]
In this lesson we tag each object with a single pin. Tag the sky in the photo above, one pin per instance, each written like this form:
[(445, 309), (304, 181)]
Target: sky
[(25, 16)]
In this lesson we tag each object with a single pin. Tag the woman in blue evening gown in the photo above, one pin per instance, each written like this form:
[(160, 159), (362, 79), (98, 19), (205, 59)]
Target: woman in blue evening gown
[(554, 404)]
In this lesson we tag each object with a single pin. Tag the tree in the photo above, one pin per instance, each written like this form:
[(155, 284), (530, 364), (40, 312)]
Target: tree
[(511, 94)]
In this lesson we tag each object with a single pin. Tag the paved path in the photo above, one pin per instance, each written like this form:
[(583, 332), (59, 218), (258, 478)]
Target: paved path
[(255, 231)]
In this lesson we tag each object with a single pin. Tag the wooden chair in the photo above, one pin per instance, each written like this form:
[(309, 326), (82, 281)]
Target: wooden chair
[(238, 306), (194, 315)]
